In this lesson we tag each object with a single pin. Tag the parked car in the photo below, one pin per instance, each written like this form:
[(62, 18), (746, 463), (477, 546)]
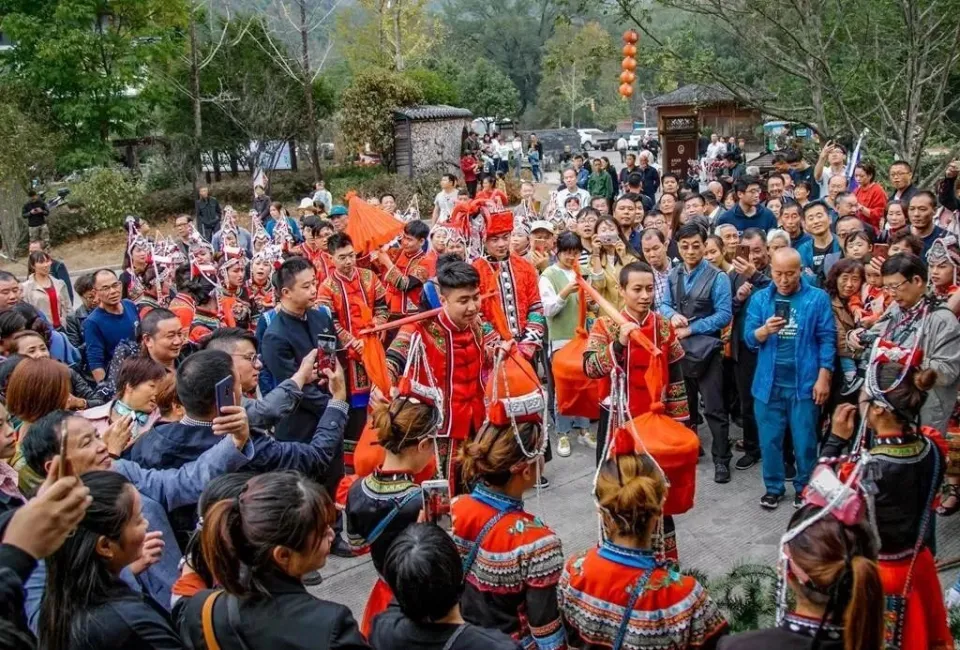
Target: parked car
[(640, 136), (589, 137)]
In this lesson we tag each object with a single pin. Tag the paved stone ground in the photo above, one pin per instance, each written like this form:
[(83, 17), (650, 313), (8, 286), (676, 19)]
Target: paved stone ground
[(726, 526)]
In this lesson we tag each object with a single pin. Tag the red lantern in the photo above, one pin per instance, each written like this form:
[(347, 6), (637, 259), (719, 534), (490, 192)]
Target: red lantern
[(626, 90), (631, 36), (629, 63), (627, 77), (629, 50)]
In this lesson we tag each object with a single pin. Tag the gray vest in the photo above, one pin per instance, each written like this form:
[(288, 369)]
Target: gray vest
[(698, 301)]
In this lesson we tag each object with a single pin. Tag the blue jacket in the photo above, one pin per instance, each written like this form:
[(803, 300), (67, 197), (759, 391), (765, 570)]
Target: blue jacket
[(719, 294), (764, 219), (172, 445), (582, 177), (816, 338), (805, 248), (161, 490)]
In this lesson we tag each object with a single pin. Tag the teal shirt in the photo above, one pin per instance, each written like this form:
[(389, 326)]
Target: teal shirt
[(785, 369)]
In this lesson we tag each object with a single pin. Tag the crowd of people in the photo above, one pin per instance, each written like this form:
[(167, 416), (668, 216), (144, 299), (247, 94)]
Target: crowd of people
[(185, 443)]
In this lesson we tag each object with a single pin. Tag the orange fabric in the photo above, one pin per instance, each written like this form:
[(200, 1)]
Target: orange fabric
[(368, 226), (343, 489), (577, 395), (925, 620), (375, 362), (227, 318), (676, 449), (369, 455), (380, 597), (188, 584), (515, 379)]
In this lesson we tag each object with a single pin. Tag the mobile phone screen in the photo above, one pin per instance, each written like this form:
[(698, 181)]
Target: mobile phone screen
[(66, 468), (782, 309), (326, 352), (225, 393), (881, 250), (436, 502), (743, 251)]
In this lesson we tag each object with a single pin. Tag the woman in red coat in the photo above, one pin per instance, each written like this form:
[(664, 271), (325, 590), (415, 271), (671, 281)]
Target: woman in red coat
[(871, 198)]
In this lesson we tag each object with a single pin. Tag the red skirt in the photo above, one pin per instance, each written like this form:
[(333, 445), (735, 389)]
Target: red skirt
[(380, 597), (925, 622)]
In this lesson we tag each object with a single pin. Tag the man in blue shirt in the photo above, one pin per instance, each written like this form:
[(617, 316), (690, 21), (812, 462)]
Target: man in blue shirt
[(112, 321), (748, 213), (699, 305), (790, 325)]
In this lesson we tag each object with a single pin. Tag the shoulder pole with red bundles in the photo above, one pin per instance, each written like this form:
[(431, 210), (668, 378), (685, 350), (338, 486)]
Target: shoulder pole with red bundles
[(614, 314)]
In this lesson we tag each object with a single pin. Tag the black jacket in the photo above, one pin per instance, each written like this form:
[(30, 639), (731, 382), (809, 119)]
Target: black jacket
[(74, 327), (394, 631), (59, 270), (15, 567), (775, 639), (288, 619), (38, 219), (262, 205), (208, 211), (286, 342), (132, 623)]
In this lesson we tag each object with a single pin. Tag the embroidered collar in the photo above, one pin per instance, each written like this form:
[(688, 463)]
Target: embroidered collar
[(340, 276), (796, 624), (190, 422), (393, 476), (496, 500), (447, 322), (631, 557)]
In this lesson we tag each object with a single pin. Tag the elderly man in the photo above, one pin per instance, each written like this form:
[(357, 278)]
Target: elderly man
[(790, 325), (570, 188), (651, 177)]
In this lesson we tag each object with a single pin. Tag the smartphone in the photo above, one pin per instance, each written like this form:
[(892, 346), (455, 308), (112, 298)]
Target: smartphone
[(66, 468), (608, 239), (781, 309), (326, 352), (224, 393), (881, 250), (743, 250), (436, 502)]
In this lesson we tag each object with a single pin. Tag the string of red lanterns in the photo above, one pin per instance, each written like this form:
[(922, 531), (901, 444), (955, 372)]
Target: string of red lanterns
[(629, 63)]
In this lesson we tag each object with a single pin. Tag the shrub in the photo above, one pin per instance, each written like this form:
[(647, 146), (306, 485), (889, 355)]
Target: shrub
[(100, 199)]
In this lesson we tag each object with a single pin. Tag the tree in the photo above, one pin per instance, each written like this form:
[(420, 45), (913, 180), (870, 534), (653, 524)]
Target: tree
[(437, 87), (573, 60), (840, 66), (86, 60), (366, 110), (488, 92), (309, 20), (27, 151), (396, 34), (509, 33)]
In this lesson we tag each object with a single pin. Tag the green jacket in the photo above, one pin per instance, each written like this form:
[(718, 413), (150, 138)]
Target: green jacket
[(600, 184)]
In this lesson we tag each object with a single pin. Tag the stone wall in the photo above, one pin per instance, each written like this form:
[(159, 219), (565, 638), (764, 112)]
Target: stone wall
[(436, 145)]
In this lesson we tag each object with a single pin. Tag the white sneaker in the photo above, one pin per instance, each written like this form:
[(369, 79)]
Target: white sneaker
[(588, 439), (563, 447)]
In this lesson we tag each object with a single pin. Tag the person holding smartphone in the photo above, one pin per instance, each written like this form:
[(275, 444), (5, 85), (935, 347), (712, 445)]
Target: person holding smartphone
[(791, 327), (609, 254)]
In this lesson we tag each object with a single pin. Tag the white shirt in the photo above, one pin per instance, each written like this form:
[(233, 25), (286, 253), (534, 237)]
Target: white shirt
[(445, 202), (621, 143), (715, 149), (825, 177), (553, 304), (563, 194), (517, 144)]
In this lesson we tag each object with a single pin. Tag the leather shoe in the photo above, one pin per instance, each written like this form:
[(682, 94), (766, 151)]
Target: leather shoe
[(721, 473), (340, 548), (311, 579)]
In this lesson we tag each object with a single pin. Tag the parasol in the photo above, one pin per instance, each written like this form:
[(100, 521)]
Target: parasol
[(368, 226)]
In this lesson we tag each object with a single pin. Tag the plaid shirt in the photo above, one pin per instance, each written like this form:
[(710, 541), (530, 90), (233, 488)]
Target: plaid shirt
[(660, 286)]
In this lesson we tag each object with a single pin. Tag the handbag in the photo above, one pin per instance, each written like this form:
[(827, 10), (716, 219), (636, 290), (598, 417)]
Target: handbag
[(698, 351)]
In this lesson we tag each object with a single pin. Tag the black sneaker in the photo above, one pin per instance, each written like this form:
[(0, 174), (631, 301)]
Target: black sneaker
[(721, 473), (311, 579), (544, 482), (770, 501), (745, 462), (798, 501), (790, 472)]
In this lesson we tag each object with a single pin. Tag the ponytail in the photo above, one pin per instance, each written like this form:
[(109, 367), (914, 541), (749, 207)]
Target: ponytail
[(863, 619), (496, 450), (219, 547)]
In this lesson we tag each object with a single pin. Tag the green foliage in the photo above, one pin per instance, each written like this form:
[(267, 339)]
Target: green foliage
[(395, 35), (104, 196), (80, 64), (366, 110), (488, 92), (437, 88), (27, 149), (509, 33), (746, 596)]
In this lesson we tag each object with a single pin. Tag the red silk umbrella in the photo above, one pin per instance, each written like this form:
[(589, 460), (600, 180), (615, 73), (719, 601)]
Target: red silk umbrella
[(368, 226)]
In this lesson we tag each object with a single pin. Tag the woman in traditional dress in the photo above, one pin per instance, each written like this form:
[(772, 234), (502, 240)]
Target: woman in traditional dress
[(618, 595), (512, 560), (381, 505)]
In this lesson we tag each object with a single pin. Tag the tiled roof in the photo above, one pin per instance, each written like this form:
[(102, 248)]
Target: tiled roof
[(438, 112)]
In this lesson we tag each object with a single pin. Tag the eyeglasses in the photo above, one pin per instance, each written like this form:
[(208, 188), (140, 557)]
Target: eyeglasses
[(893, 288), (110, 287), (252, 358)]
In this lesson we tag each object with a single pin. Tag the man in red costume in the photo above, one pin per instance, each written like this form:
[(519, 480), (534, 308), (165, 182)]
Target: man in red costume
[(405, 269), (357, 300), (510, 286), (443, 356), (316, 233)]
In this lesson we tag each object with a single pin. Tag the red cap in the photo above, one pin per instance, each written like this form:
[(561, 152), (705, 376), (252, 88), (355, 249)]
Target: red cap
[(499, 223)]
